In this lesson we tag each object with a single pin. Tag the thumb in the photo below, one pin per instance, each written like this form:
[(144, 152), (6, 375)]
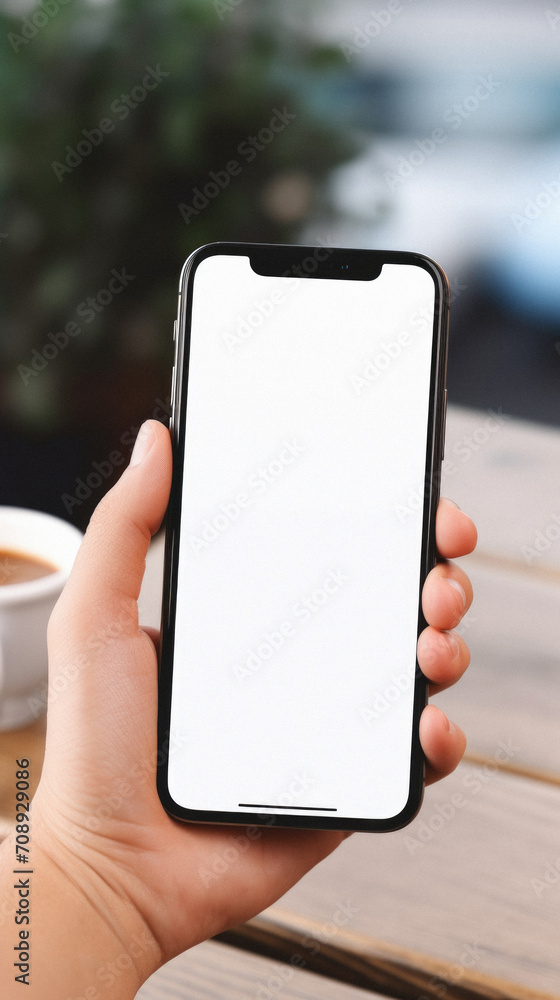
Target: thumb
[(110, 563), (98, 656)]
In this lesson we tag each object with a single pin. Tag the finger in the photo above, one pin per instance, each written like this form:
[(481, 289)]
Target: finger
[(443, 657), (153, 634), (455, 532), (446, 596), (107, 574), (443, 743)]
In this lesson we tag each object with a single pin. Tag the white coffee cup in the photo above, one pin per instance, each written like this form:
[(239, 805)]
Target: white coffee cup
[(25, 609)]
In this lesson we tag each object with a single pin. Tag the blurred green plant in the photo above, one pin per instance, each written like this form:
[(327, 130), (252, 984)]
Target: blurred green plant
[(113, 115)]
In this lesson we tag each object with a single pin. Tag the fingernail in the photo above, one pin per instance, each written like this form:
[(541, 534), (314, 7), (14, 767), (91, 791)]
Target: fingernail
[(142, 445), (453, 644), (457, 586), (449, 725), (452, 502)]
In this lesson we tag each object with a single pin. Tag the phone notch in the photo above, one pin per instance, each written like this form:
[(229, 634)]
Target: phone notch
[(316, 262)]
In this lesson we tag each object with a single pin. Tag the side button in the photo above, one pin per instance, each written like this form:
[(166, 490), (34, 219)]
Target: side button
[(174, 330), (443, 422), (173, 388)]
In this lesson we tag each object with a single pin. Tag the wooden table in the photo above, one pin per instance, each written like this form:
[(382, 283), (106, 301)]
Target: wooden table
[(465, 902)]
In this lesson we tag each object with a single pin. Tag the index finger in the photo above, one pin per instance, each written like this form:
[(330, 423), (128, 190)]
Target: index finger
[(456, 534)]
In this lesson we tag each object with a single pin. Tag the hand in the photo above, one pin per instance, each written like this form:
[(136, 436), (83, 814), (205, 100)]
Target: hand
[(117, 868)]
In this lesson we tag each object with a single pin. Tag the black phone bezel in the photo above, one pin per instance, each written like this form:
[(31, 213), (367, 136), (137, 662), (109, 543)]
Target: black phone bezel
[(285, 259)]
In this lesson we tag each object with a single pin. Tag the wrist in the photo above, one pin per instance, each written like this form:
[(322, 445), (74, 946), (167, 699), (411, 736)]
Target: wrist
[(85, 938)]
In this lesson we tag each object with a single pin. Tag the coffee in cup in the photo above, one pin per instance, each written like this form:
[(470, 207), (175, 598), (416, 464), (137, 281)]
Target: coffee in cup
[(19, 567)]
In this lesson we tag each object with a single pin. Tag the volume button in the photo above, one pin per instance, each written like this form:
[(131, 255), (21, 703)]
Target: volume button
[(173, 387), (443, 423), (174, 330)]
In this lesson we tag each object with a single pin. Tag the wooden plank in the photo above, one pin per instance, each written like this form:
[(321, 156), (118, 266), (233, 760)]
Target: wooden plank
[(215, 971), (510, 767), (467, 877), (502, 472), (370, 964), (511, 691)]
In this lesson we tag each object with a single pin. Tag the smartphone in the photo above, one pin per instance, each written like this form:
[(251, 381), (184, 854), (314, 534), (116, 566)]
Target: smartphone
[(308, 429)]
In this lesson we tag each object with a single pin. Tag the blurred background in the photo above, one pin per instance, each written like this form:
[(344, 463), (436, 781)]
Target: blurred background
[(401, 124), (426, 126)]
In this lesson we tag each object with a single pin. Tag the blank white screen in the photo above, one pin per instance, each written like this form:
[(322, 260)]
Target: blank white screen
[(297, 597)]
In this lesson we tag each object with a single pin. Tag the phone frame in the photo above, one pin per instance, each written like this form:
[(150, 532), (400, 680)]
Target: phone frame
[(335, 264)]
